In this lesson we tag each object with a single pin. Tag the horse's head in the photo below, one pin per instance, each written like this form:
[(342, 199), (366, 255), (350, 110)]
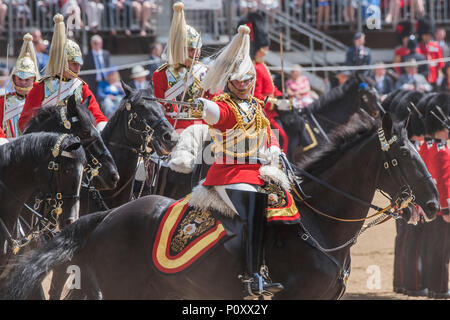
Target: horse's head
[(101, 167), (59, 177), (370, 101), (147, 124), (405, 176)]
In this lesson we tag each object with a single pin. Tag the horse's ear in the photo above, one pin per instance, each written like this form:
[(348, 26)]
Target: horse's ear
[(71, 102), (128, 90), (387, 125)]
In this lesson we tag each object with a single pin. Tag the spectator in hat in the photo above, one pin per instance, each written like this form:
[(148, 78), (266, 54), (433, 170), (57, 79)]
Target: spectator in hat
[(139, 75), (358, 54), (110, 92), (412, 80), (413, 54), (383, 83)]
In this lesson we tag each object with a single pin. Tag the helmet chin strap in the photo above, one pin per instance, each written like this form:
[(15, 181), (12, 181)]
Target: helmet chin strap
[(22, 90), (71, 73)]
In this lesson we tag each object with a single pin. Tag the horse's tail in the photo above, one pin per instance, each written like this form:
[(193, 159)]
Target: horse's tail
[(33, 267)]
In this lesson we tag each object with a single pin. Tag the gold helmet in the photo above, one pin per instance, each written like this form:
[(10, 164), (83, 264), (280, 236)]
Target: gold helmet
[(26, 64), (73, 52), (181, 37)]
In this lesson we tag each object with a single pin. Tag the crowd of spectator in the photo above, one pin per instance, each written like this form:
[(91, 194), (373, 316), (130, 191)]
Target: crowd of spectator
[(100, 14)]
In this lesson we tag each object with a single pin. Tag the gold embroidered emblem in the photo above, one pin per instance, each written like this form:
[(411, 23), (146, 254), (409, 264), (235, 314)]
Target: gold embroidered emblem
[(194, 224)]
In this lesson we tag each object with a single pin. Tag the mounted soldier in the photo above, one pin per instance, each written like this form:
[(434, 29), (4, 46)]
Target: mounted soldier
[(23, 77), (180, 77), (61, 80), (243, 141), (264, 86)]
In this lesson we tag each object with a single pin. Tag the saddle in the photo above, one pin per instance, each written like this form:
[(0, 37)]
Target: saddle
[(195, 225)]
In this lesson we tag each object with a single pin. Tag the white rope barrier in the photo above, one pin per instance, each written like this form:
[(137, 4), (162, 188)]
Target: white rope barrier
[(278, 69)]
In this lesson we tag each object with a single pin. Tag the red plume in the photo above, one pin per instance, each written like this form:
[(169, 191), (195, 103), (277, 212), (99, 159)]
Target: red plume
[(252, 35)]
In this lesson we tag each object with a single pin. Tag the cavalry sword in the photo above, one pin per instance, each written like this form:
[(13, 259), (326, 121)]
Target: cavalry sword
[(317, 124), (180, 103)]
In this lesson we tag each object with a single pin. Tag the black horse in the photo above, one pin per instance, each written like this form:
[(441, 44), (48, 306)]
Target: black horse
[(78, 120), (48, 165), (137, 128), (332, 110), (114, 249)]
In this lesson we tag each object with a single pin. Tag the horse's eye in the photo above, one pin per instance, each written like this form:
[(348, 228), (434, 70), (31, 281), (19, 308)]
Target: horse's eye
[(405, 153)]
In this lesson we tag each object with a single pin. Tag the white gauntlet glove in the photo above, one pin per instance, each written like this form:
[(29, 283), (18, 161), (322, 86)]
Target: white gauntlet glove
[(284, 104), (210, 110)]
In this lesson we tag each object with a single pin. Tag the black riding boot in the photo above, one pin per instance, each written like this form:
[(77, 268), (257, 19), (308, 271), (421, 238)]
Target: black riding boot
[(252, 208)]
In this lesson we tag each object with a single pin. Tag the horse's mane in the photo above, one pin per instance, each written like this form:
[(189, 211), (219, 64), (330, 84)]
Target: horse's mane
[(335, 95), (43, 114), (29, 147), (342, 140), (47, 113)]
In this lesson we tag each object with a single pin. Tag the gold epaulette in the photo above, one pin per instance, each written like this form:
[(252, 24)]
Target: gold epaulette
[(221, 97), (162, 67)]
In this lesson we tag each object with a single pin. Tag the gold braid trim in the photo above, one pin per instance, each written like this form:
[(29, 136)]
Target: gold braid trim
[(250, 130)]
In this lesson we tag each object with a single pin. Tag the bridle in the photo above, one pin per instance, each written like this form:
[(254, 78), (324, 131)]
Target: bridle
[(400, 200), (93, 165), (143, 133), (47, 219)]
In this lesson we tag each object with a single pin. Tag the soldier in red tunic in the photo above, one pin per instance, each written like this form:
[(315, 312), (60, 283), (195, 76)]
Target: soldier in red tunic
[(404, 29), (55, 88), (429, 48), (242, 140), (169, 80), (25, 73), (264, 86), (437, 122)]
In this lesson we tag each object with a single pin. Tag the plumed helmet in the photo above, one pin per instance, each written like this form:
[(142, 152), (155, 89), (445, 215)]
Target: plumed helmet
[(406, 110), (232, 63), (425, 25), (437, 112), (259, 30), (181, 37), (404, 29)]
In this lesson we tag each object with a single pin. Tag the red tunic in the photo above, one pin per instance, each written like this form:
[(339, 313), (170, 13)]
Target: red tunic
[(432, 51), (2, 101), (226, 171), (441, 163), (37, 95), (398, 54), (160, 86)]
